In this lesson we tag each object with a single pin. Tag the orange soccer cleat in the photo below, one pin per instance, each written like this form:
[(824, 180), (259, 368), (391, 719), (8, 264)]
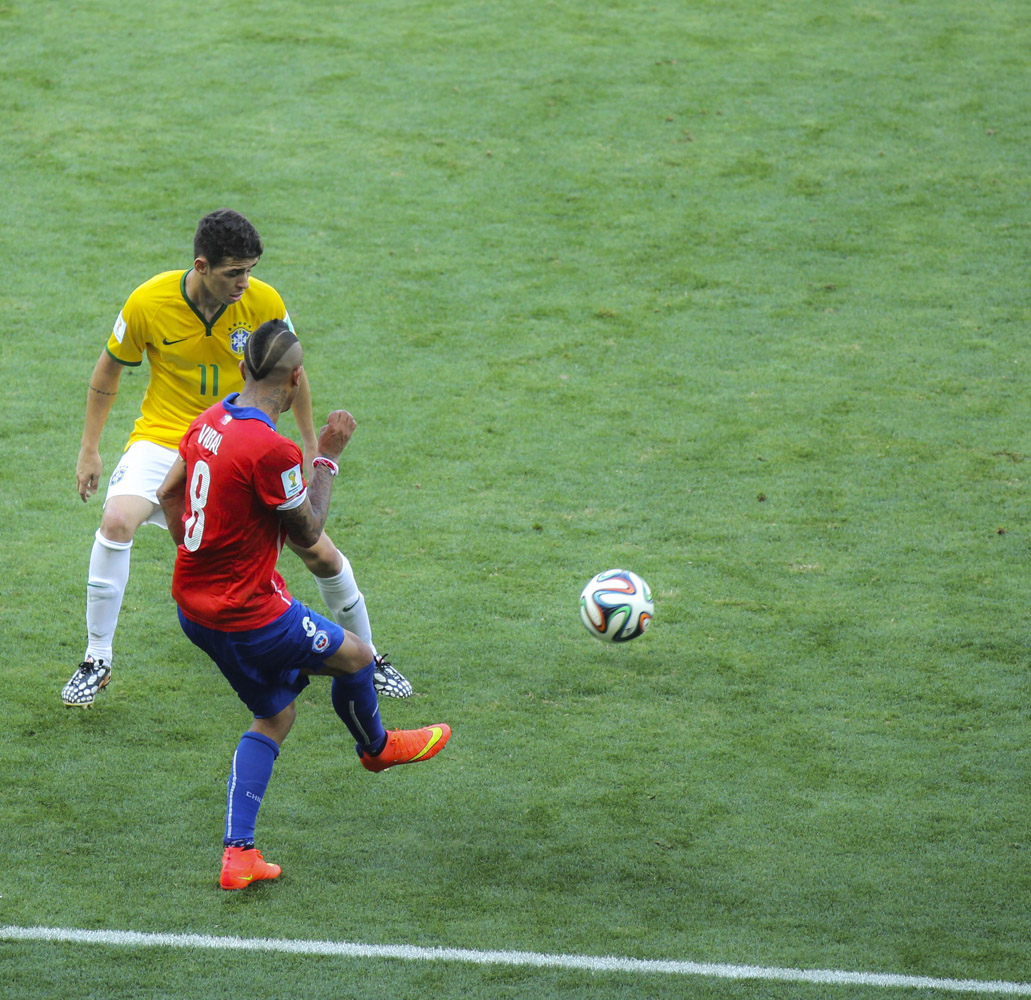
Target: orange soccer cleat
[(408, 746), (243, 865)]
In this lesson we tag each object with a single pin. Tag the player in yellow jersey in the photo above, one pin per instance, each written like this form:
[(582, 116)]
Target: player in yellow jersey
[(192, 326)]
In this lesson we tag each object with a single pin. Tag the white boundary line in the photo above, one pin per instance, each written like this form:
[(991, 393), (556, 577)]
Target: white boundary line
[(586, 963)]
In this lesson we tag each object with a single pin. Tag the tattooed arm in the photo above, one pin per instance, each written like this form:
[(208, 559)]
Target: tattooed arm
[(304, 523)]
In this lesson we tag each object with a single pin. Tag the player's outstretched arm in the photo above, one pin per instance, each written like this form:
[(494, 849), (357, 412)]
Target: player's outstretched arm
[(305, 522), (100, 397)]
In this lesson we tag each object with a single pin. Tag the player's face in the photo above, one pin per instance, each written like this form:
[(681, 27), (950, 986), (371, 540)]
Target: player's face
[(226, 282)]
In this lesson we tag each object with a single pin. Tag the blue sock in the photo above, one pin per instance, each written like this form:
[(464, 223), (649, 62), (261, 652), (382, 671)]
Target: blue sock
[(252, 768), (355, 701)]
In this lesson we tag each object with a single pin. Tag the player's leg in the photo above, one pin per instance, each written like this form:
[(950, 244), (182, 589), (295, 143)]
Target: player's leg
[(335, 579), (105, 588), (351, 665), (253, 663), (131, 501), (109, 570), (355, 701), (249, 776)]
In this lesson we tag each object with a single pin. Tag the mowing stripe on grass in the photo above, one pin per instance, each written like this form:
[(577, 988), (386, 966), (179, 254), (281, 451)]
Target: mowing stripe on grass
[(586, 963)]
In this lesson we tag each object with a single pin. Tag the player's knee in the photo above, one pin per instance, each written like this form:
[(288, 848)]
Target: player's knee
[(286, 719), (118, 525), (353, 655), (362, 654), (277, 726)]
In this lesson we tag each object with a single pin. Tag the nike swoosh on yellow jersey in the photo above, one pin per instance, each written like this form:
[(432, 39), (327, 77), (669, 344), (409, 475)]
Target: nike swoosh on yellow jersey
[(431, 743), (169, 343)]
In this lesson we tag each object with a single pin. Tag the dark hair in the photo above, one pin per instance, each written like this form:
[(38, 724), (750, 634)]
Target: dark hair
[(225, 235), (266, 346)]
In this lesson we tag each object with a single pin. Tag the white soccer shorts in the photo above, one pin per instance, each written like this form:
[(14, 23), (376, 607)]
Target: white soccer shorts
[(140, 471)]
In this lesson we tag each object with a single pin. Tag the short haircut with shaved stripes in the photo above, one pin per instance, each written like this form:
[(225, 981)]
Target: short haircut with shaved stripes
[(266, 347)]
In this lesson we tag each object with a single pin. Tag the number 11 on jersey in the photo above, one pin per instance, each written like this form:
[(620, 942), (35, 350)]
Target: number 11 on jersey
[(204, 379)]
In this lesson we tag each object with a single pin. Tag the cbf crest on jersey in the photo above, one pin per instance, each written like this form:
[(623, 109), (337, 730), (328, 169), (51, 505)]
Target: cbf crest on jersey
[(238, 339)]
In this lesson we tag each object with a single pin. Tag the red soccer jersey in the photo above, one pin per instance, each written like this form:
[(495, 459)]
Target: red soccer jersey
[(240, 473)]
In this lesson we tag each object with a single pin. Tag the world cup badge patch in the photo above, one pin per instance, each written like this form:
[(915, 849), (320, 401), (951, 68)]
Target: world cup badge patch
[(293, 482), (238, 339)]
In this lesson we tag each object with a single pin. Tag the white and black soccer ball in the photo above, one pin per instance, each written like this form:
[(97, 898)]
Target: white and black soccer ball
[(616, 606)]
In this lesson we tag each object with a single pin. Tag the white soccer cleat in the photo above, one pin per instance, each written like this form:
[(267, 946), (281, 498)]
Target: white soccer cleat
[(85, 683), (388, 681)]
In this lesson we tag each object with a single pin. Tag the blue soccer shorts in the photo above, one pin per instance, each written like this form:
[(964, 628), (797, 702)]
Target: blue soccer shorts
[(264, 664)]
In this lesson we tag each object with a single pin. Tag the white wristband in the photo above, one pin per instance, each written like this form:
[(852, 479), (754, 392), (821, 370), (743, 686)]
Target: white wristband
[(328, 463)]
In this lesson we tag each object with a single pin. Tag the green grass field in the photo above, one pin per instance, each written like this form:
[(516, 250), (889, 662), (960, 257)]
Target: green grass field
[(729, 294)]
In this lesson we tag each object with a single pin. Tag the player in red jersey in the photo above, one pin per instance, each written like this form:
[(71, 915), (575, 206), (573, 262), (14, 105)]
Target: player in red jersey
[(234, 496), (225, 575)]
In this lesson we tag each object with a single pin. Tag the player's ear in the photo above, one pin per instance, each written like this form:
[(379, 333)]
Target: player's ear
[(243, 370), (200, 265), (295, 375)]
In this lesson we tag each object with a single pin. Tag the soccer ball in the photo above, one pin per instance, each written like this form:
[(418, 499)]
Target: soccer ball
[(616, 606)]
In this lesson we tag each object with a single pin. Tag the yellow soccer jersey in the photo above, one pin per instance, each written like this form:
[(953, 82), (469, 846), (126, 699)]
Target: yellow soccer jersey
[(192, 363)]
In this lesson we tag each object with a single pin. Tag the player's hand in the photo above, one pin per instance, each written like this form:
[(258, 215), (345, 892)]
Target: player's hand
[(87, 472), (336, 433)]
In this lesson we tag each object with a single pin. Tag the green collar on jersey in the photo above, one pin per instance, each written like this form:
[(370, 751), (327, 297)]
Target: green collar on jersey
[(196, 311)]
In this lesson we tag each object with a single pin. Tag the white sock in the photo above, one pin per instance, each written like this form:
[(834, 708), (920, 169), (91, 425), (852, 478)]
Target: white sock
[(105, 587), (346, 602)]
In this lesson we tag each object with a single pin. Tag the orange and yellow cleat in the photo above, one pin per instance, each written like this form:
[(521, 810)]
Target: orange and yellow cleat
[(408, 746), (242, 866)]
